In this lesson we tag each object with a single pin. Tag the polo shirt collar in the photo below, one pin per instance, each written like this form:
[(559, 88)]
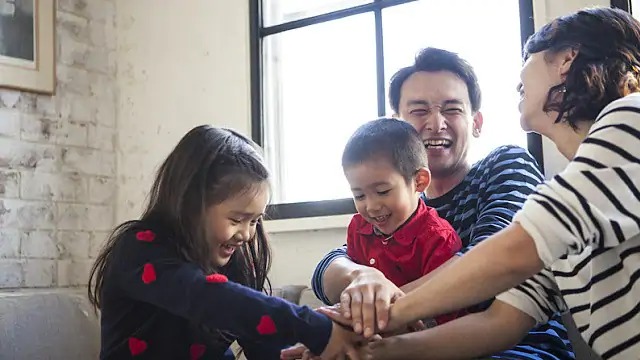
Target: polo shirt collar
[(406, 233)]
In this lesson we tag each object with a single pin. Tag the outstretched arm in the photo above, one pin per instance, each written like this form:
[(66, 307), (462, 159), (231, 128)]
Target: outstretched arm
[(497, 264), (479, 334), (148, 269)]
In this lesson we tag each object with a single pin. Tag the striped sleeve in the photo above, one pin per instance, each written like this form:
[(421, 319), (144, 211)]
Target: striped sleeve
[(595, 200), (318, 273), (538, 297), (511, 174)]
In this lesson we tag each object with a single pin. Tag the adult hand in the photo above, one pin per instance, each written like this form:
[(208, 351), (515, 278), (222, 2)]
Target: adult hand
[(335, 314), (367, 299), (376, 349)]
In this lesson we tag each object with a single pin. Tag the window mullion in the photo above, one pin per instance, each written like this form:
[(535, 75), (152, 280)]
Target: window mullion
[(380, 62)]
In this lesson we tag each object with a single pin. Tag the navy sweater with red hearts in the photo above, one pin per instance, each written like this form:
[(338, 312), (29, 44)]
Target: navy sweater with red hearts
[(156, 306)]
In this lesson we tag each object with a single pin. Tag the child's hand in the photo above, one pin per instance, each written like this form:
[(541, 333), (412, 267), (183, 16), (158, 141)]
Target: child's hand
[(394, 324), (367, 299), (297, 352), (341, 342), (336, 314), (300, 351), (294, 352)]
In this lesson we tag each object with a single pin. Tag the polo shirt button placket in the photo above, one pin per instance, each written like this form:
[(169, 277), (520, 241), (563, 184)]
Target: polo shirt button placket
[(372, 261)]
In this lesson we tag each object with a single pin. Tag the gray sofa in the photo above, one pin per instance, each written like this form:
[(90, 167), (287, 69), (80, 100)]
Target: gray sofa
[(61, 325), (47, 325)]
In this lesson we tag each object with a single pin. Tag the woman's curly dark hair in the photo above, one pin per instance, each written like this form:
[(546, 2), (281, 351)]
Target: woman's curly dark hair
[(606, 67)]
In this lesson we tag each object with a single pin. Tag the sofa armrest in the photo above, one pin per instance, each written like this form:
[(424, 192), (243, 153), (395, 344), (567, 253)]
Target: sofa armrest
[(292, 293)]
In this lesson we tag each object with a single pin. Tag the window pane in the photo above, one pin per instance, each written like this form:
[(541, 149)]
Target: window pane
[(320, 85), (635, 8), (280, 11), (487, 35)]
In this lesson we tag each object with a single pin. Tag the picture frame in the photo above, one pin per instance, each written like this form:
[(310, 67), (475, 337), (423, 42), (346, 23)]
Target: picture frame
[(27, 45)]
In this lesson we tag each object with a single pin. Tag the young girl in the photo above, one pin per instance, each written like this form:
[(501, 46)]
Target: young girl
[(186, 280)]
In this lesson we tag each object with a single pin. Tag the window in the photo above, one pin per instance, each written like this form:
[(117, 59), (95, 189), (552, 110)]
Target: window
[(320, 68), (631, 6)]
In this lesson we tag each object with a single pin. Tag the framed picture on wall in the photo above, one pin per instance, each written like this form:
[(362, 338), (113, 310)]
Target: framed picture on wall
[(27, 50)]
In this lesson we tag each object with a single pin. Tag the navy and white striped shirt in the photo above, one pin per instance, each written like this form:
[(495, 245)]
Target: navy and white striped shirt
[(586, 226), (482, 204)]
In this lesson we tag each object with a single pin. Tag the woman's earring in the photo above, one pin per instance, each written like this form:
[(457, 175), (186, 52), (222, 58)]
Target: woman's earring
[(476, 132)]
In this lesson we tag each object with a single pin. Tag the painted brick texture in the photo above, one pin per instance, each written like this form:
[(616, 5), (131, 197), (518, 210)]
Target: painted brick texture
[(57, 157)]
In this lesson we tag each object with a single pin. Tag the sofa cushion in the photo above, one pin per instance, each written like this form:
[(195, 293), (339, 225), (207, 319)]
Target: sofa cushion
[(51, 325)]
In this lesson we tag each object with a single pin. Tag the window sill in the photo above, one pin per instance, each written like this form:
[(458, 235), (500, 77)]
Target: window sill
[(308, 224)]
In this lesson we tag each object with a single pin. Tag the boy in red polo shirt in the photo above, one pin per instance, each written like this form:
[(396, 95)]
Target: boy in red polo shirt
[(385, 163)]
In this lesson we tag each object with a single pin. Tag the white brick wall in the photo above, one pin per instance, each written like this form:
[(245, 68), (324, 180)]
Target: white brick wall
[(57, 159)]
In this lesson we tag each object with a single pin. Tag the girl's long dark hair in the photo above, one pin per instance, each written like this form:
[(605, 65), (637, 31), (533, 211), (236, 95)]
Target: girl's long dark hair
[(208, 166)]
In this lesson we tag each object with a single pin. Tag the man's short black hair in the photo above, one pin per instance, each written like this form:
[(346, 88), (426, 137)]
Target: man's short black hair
[(393, 139), (433, 60)]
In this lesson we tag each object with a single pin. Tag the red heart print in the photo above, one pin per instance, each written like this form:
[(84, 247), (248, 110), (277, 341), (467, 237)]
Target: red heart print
[(196, 351), (146, 235), (137, 346), (266, 326), (148, 274), (217, 278)]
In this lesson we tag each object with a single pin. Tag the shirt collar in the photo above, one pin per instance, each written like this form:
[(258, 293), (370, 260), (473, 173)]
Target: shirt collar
[(406, 233)]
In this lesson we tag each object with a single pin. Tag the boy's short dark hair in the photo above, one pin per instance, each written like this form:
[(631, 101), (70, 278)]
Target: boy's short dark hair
[(393, 139)]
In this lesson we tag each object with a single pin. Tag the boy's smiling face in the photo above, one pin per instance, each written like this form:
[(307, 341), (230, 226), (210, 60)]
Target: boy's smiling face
[(382, 196)]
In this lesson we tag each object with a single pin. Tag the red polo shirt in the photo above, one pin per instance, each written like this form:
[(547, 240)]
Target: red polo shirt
[(418, 247)]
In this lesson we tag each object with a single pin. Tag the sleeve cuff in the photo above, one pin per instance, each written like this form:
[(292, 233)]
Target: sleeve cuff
[(318, 274), (317, 338), (549, 250), (515, 298)]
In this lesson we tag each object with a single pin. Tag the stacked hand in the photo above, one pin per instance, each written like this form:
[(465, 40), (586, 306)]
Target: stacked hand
[(345, 343), (364, 308), (367, 300), (342, 342), (336, 314)]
